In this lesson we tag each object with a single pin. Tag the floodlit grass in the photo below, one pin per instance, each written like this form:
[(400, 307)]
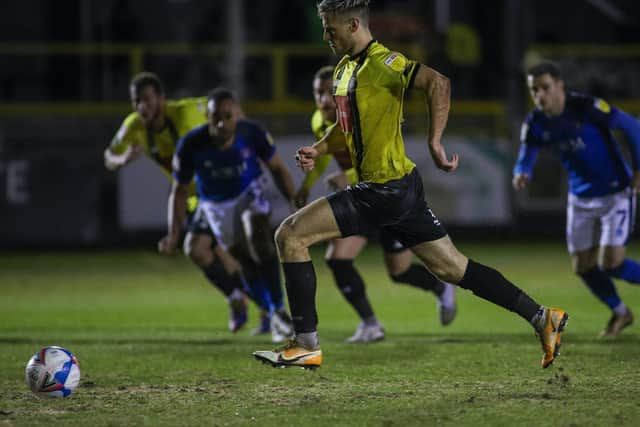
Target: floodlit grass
[(151, 339)]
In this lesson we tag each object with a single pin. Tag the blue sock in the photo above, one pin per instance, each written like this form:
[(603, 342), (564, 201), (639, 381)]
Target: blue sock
[(602, 287), (629, 270), (271, 273), (259, 293)]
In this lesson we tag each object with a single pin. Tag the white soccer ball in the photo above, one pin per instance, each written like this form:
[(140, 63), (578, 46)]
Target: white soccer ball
[(53, 372)]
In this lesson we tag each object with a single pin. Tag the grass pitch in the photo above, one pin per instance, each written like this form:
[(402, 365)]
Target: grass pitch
[(151, 339)]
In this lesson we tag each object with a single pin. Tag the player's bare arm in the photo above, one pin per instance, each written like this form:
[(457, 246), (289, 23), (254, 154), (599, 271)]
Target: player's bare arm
[(437, 92), (520, 181), (281, 176), (177, 212), (333, 141), (114, 161)]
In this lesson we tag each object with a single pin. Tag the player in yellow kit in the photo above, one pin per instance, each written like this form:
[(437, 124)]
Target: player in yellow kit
[(341, 252), (154, 129), (369, 85)]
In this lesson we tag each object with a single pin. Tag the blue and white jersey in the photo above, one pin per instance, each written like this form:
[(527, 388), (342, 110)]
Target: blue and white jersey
[(581, 137), (222, 174)]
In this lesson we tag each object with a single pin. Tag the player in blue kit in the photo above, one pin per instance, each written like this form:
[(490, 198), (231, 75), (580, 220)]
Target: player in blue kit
[(225, 156), (602, 188)]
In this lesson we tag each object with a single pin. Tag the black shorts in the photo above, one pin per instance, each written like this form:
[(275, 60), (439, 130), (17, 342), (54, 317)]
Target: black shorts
[(389, 243), (396, 207)]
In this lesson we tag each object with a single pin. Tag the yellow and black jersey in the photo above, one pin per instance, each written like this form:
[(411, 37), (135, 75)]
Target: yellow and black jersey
[(181, 116), (369, 90)]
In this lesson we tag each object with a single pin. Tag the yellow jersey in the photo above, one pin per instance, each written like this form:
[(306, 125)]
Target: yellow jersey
[(369, 90), (180, 117)]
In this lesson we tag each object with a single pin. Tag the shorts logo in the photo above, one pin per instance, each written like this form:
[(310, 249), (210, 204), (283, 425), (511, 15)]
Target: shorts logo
[(436, 221)]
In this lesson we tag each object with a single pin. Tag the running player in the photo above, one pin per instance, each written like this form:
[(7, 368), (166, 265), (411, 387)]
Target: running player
[(341, 252), (154, 129), (601, 201), (369, 85), (225, 156)]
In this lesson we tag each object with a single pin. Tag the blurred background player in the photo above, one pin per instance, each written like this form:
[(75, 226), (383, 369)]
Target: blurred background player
[(154, 129), (225, 156), (342, 252), (602, 189)]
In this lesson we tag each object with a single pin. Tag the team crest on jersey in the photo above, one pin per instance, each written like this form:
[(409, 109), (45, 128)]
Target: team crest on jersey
[(602, 105)]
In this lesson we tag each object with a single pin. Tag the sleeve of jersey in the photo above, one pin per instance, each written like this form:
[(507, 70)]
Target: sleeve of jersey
[(182, 163), (631, 128), (528, 152), (401, 71), (264, 144), (124, 137)]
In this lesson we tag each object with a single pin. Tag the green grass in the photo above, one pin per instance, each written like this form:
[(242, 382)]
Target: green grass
[(151, 339)]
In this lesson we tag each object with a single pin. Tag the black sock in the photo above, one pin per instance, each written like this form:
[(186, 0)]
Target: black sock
[(489, 284), (222, 280), (351, 286), (419, 277), (300, 281)]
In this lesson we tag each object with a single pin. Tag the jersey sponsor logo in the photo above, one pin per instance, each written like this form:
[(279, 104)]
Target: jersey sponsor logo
[(602, 105), (344, 114), (571, 145)]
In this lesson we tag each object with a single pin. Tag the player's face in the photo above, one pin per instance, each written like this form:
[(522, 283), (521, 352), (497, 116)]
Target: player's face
[(547, 93), (337, 32), (222, 119), (323, 94), (148, 103)]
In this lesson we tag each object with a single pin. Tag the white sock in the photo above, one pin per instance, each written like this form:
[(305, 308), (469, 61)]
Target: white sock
[(620, 309), (307, 339)]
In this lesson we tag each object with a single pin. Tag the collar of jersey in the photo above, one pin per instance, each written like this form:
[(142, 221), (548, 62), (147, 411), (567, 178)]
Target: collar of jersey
[(363, 51)]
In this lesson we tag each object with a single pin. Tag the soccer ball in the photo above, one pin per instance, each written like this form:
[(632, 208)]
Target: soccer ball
[(52, 372)]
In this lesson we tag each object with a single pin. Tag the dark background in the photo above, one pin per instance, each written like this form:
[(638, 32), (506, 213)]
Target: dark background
[(65, 67)]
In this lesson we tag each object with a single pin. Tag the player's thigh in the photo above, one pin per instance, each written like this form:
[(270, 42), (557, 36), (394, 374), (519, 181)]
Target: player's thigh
[(583, 261), (611, 256), (397, 262), (617, 223), (346, 247), (312, 224), (442, 258)]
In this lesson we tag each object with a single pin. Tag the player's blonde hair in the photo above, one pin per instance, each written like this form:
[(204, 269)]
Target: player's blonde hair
[(338, 7)]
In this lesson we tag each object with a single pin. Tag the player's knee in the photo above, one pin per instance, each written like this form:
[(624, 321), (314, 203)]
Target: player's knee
[(286, 239)]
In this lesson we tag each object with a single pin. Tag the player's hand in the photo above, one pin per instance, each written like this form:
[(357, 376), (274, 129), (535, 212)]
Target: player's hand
[(520, 181), (337, 181), (305, 158), (301, 197), (133, 153), (635, 182), (441, 160), (167, 245)]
